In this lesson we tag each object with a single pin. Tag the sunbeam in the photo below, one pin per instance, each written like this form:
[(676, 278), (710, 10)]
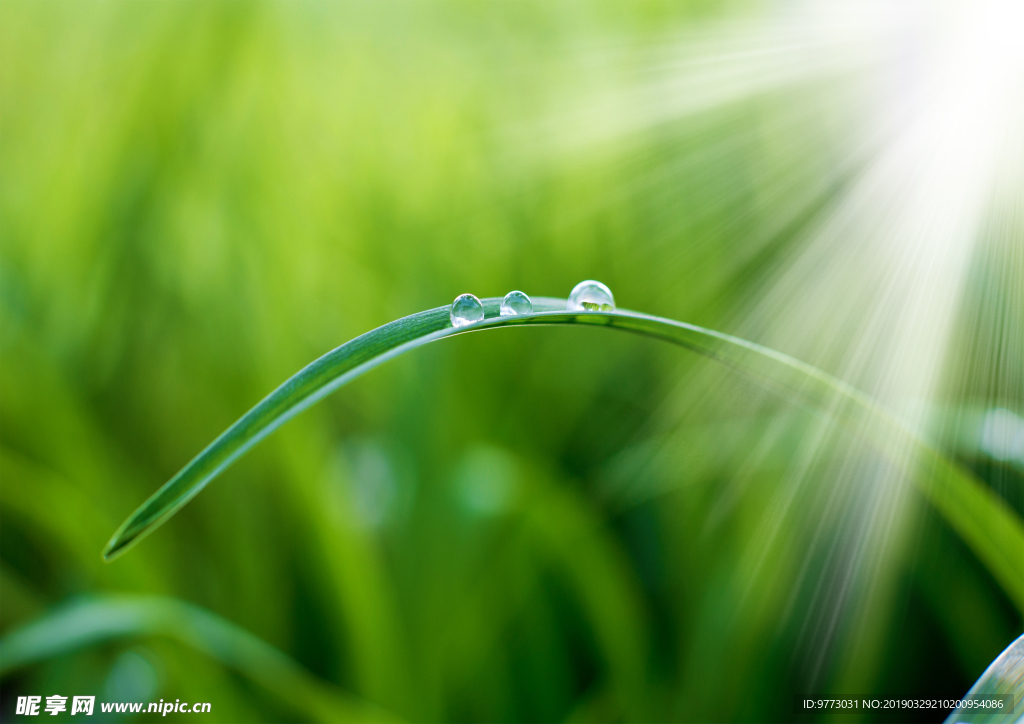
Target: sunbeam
[(872, 289)]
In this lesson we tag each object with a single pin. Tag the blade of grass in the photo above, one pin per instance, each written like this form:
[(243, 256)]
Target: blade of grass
[(980, 517), (1002, 681), (93, 620)]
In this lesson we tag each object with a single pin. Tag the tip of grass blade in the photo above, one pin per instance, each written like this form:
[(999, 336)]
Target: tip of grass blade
[(124, 538), (115, 547), (160, 506), (295, 394)]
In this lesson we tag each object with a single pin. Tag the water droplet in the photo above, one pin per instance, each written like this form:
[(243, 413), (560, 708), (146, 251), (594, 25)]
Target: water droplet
[(466, 309), (591, 296), (516, 303)]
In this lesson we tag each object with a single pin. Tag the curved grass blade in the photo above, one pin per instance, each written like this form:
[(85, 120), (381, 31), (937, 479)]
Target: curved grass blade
[(981, 518), (93, 620), (1003, 681)]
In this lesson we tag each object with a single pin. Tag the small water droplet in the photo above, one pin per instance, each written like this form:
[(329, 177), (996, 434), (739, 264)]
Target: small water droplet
[(466, 309), (516, 303), (591, 296)]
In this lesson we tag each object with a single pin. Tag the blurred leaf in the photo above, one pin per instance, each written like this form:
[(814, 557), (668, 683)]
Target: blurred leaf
[(984, 521), (90, 621)]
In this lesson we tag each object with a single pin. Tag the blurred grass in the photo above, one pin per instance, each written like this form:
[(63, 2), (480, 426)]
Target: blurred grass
[(198, 198), (88, 622)]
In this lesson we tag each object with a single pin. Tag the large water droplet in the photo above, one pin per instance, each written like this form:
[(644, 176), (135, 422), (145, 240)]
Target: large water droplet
[(516, 303), (466, 309), (591, 296)]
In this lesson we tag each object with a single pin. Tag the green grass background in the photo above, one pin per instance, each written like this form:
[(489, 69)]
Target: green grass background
[(199, 198)]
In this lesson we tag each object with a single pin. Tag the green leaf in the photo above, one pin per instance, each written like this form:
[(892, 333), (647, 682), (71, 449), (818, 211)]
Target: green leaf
[(92, 620), (979, 516)]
